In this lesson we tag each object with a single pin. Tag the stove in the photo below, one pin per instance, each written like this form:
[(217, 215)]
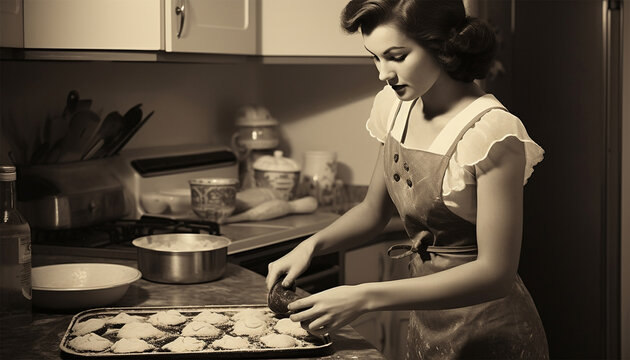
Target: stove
[(119, 234)]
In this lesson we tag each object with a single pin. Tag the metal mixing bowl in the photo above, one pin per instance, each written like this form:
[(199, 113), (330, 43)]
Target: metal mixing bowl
[(182, 258)]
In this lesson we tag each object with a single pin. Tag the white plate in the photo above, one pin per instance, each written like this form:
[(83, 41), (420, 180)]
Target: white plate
[(81, 285)]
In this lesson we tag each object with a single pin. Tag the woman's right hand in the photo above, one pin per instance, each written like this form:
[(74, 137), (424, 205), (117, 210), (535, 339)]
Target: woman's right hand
[(292, 264)]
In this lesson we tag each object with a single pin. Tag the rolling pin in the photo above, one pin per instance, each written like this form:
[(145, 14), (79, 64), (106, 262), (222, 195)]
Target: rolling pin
[(275, 208)]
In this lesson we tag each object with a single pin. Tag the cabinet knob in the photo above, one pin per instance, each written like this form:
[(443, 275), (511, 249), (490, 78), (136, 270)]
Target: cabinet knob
[(179, 10)]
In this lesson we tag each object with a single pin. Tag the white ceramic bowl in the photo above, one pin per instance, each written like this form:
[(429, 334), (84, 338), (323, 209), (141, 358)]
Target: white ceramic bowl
[(81, 285)]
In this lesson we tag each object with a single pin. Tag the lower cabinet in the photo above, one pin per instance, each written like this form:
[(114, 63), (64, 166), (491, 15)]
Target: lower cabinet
[(385, 330)]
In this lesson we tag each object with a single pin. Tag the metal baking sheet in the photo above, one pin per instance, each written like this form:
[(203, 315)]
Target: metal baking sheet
[(307, 346)]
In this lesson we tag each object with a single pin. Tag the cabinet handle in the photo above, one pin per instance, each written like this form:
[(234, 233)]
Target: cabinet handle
[(179, 10)]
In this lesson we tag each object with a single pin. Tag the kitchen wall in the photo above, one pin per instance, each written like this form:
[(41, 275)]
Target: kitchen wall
[(318, 106)]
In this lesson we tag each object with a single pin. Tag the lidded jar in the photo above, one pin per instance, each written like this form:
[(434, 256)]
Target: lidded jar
[(256, 129), (279, 173)]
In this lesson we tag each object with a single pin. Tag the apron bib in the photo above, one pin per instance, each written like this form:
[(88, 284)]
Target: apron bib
[(506, 328)]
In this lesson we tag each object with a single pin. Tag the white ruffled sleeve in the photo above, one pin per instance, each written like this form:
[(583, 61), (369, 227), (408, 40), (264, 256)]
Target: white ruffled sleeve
[(378, 124), (490, 131)]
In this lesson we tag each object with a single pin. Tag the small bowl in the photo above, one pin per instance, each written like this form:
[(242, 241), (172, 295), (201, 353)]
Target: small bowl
[(178, 200), (154, 203), (213, 199), (182, 258), (81, 285)]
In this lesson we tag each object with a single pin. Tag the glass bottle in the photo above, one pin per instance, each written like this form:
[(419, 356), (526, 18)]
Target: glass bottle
[(15, 252)]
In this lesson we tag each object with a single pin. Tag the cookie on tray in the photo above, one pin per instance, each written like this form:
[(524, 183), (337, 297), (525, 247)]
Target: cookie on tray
[(212, 317), (124, 318), (252, 326), (200, 328), (90, 342), (252, 313), (131, 346), (139, 331), (289, 327), (279, 341), (88, 326), (231, 343), (167, 318), (184, 344)]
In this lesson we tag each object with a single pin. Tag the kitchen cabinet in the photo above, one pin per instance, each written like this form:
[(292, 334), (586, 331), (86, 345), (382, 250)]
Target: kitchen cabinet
[(93, 24), (385, 330), (305, 28), (211, 26), (11, 24)]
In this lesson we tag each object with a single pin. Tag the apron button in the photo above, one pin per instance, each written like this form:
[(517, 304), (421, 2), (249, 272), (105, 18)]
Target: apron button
[(397, 177), (409, 183), (395, 158), (406, 166)]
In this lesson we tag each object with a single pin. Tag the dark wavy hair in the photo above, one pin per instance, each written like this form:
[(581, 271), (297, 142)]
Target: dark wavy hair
[(464, 46)]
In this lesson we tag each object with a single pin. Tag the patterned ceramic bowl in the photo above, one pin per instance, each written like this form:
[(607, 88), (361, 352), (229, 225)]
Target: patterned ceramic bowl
[(213, 199)]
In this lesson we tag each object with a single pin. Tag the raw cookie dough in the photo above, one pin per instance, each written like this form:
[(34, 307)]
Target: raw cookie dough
[(124, 318), (278, 341), (290, 327), (231, 342), (90, 342), (131, 346), (88, 326), (200, 328), (169, 317), (184, 344), (211, 317), (251, 327), (139, 331)]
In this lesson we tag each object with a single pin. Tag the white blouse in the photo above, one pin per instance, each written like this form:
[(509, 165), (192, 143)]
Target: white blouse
[(473, 155)]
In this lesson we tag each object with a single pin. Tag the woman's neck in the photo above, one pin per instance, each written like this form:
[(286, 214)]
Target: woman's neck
[(448, 95)]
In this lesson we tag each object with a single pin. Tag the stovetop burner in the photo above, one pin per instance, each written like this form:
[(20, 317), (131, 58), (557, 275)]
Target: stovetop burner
[(120, 233)]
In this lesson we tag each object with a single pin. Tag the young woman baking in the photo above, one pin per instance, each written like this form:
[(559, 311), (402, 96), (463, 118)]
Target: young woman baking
[(453, 162)]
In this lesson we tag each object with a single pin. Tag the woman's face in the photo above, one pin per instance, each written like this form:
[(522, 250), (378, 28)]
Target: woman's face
[(406, 66)]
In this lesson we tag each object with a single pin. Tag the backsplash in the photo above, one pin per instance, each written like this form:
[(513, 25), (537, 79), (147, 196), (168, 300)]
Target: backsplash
[(318, 106)]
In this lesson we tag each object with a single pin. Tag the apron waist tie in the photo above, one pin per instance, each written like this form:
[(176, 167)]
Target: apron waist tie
[(424, 249)]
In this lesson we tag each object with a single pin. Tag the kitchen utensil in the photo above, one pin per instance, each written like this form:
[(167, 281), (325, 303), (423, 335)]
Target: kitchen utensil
[(82, 126), (80, 285), (279, 297), (113, 125), (213, 199), (249, 198), (130, 134), (182, 258), (255, 129), (275, 208), (279, 173), (310, 346)]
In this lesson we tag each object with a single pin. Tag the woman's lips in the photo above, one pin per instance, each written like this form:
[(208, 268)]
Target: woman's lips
[(398, 88)]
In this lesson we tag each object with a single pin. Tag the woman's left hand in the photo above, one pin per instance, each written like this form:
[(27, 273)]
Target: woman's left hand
[(330, 309)]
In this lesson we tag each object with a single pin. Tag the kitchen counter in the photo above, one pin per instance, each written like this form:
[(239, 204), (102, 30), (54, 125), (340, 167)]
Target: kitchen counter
[(40, 339)]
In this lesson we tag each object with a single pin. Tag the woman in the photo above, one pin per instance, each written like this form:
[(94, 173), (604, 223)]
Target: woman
[(453, 162)]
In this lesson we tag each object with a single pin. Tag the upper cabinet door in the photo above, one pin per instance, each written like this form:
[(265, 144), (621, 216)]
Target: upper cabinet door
[(11, 24), (93, 24), (211, 26), (306, 28)]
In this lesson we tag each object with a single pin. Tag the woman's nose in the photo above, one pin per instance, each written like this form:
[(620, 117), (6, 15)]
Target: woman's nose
[(385, 73)]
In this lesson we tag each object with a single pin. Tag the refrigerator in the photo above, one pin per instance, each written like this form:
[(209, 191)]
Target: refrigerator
[(559, 69)]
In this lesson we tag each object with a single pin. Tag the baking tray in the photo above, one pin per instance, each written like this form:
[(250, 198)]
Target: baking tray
[(311, 345)]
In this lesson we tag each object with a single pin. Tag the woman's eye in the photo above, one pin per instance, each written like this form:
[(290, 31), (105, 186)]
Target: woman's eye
[(399, 58)]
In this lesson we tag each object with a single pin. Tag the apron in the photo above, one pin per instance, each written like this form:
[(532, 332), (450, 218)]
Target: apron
[(505, 328)]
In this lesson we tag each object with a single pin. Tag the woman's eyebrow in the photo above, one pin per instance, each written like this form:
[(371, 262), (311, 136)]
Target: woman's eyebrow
[(388, 50)]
